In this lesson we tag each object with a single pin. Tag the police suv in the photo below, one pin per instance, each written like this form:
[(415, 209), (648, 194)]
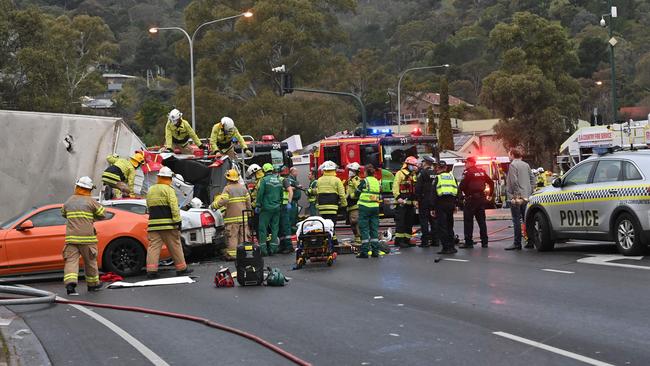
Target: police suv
[(605, 198)]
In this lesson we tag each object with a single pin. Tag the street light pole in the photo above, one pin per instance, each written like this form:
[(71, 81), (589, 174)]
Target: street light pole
[(247, 14), (399, 84), (612, 60)]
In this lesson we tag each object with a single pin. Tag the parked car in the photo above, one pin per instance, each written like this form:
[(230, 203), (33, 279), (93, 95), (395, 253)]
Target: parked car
[(33, 241), (200, 226)]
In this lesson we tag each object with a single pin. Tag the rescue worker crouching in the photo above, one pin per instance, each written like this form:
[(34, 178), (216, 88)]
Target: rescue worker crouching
[(404, 193), (221, 138), (178, 133), (286, 212), (268, 205), (164, 225), (119, 177), (446, 194), (351, 186), (232, 202), (330, 194), (80, 212), (424, 192), (369, 193), (473, 186)]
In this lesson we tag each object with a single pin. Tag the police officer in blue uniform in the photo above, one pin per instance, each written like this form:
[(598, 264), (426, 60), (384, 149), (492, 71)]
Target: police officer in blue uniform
[(473, 186)]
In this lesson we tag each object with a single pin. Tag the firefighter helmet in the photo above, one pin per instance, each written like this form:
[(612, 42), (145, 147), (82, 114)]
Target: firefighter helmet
[(411, 160), (85, 182), (228, 124), (328, 165), (267, 168), (254, 168), (354, 166), (175, 115), (232, 175), (165, 172), (137, 158)]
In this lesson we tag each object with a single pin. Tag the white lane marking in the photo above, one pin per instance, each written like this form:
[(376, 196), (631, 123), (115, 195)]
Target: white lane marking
[(146, 352), (558, 351), (455, 260), (604, 260), (557, 271)]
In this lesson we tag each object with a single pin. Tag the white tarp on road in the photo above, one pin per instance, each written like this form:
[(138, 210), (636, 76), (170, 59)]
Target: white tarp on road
[(37, 168)]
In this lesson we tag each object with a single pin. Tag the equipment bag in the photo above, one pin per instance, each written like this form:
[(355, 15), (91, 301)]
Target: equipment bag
[(249, 264), (275, 277), (223, 278)]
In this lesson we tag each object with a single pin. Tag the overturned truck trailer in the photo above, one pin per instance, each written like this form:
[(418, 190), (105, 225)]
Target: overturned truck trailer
[(43, 154)]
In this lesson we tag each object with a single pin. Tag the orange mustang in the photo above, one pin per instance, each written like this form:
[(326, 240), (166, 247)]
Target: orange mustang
[(33, 242)]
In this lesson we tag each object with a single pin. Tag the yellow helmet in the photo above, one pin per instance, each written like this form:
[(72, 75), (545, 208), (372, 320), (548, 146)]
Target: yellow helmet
[(138, 158), (232, 175)]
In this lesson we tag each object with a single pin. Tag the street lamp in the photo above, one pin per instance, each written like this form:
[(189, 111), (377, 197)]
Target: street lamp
[(399, 84), (155, 30), (612, 42)]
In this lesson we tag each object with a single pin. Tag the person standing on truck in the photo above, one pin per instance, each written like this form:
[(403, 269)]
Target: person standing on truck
[(330, 194), (351, 186), (80, 212), (369, 193), (221, 139), (120, 175), (178, 133), (311, 193), (446, 194), (424, 192), (267, 205), (520, 184), (232, 202), (473, 187), (164, 225), (404, 193), (286, 212)]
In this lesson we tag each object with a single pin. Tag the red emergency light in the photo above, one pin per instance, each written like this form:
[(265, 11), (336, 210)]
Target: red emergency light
[(416, 132), (268, 138)]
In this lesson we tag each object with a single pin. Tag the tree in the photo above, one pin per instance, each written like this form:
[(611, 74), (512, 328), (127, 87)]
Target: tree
[(446, 134), (432, 126)]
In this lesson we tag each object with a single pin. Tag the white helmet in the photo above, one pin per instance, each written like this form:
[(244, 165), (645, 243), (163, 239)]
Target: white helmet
[(165, 172), (328, 165), (85, 182), (227, 123), (254, 168), (354, 166), (175, 115), (540, 170), (196, 202)]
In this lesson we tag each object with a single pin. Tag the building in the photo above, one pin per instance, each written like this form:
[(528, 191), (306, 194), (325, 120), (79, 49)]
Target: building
[(103, 103)]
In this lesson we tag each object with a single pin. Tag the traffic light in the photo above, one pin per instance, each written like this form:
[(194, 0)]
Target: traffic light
[(287, 83)]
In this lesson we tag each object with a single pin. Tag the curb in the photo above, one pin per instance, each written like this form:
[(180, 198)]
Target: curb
[(20, 346)]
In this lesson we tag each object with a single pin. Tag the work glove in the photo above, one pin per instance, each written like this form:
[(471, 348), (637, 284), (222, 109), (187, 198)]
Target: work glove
[(248, 153), (289, 206)]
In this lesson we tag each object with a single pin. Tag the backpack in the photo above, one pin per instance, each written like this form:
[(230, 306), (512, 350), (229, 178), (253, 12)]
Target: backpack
[(223, 278), (275, 277)]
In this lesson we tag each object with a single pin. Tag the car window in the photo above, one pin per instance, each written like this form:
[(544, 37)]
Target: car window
[(332, 153), (51, 217), (608, 171), (132, 207), (630, 172), (579, 175), (9, 223)]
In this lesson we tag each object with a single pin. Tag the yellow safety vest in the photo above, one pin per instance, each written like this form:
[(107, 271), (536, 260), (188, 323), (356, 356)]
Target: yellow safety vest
[(446, 185), (370, 196), (164, 213)]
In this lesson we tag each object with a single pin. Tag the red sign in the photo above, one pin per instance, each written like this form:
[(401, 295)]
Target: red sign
[(595, 136)]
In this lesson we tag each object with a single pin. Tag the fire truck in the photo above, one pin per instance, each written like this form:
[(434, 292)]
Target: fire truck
[(380, 148)]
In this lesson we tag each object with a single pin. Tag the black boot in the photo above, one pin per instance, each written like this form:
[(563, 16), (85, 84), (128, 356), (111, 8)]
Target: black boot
[(184, 272), (71, 289), (152, 275), (95, 288), (425, 242)]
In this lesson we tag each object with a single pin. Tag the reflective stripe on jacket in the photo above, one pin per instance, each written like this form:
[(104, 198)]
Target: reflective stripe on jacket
[(80, 212), (120, 170), (370, 193), (222, 141), (180, 135), (311, 192), (233, 200), (330, 194), (446, 185), (162, 204), (351, 188), (404, 186)]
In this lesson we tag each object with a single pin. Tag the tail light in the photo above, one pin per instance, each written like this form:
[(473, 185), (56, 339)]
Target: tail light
[(207, 220)]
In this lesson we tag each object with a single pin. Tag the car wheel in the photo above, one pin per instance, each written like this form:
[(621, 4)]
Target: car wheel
[(124, 257), (627, 235), (540, 234)]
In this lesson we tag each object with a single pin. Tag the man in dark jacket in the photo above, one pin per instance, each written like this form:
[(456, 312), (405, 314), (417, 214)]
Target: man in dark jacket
[(424, 192), (473, 186)]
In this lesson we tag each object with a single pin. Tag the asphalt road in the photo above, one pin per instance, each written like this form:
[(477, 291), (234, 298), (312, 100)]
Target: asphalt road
[(401, 309)]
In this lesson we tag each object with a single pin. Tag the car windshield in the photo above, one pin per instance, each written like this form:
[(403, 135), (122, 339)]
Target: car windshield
[(394, 155), (12, 221)]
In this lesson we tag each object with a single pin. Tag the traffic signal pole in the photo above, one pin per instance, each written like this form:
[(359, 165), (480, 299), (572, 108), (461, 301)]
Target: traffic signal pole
[(364, 118)]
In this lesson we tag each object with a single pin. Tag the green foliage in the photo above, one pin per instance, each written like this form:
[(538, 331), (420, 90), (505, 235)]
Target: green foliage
[(446, 135), (432, 127)]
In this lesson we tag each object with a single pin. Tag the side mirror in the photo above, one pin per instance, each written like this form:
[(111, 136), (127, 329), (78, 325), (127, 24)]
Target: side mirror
[(25, 225), (557, 182)]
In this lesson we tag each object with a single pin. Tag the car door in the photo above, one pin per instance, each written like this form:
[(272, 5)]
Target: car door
[(39, 248), (568, 202), (603, 195)]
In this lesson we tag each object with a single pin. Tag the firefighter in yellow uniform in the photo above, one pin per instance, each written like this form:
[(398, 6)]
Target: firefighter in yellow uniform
[(221, 138), (351, 186), (164, 225), (120, 175), (404, 193), (81, 211), (178, 133), (232, 202), (330, 194)]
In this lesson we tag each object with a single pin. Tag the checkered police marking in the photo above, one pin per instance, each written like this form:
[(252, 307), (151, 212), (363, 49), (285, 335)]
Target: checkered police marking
[(592, 195)]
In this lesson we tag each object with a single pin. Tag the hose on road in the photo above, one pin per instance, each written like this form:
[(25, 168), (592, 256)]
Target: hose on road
[(43, 297)]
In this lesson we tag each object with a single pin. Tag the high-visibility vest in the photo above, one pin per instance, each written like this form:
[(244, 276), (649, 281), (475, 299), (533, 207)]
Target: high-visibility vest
[(331, 194), (446, 185), (285, 191), (352, 185), (164, 213), (371, 194)]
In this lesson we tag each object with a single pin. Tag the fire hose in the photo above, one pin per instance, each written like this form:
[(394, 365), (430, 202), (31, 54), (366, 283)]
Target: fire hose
[(36, 296)]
